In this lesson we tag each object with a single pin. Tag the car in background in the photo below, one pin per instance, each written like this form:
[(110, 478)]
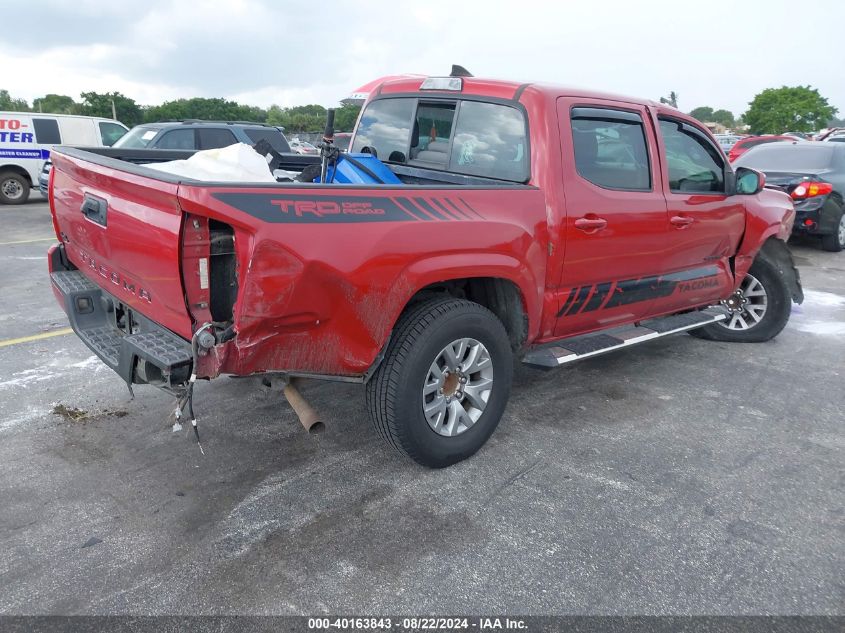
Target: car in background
[(813, 174), (342, 140), (727, 141), (747, 143), (191, 134), (828, 132), (798, 135), (303, 147), (26, 139), (839, 137)]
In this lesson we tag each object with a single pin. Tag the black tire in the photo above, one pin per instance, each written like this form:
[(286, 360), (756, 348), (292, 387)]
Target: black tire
[(835, 242), (394, 394), (12, 182), (774, 319)]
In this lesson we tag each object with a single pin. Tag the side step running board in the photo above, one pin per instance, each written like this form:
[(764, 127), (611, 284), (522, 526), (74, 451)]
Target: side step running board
[(578, 347)]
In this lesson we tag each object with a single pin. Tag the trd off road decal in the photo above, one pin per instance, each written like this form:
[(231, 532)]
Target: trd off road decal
[(612, 294), (279, 207)]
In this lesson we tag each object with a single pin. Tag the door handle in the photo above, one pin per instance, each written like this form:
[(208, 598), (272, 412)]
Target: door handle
[(681, 221), (590, 224), (95, 209)]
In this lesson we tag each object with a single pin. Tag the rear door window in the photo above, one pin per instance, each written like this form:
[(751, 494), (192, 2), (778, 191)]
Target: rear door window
[(212, 138), (177, 139), (47, 131), (610, 148)]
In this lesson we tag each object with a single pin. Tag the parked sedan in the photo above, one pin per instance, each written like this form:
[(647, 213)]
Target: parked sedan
[(813, 174), (753, 141), (727, 141), (303, 147)]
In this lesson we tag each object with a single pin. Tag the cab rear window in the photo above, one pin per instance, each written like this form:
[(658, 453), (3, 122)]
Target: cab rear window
[(460, 136)]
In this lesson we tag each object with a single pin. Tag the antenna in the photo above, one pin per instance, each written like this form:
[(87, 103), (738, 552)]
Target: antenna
[(459, 71)]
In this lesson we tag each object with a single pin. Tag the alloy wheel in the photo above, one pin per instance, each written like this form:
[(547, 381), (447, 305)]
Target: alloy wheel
[(457, 387)]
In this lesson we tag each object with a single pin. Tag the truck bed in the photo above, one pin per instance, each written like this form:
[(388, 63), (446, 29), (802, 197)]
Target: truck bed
[(292, 268)]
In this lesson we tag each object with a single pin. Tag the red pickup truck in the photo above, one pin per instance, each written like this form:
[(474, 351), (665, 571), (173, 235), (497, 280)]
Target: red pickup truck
[(529, 221)]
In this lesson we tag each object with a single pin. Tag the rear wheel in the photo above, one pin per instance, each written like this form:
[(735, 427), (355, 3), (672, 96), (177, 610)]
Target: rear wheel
[(835, 242), (444, 382), (759, 309), (14, 189)]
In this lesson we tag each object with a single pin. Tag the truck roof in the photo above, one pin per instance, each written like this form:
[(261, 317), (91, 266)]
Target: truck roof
[(504, 89)]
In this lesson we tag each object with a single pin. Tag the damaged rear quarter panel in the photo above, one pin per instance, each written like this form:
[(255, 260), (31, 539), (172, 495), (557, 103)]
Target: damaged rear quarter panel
[(322, 288)]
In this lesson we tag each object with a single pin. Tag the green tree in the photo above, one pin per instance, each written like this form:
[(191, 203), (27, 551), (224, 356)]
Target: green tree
[(55, 104), (306, 118), (346, 117), (9, 103), (703, 114), (204, 109), (96, 104), (725, 117), (312, 118), (788, 109)]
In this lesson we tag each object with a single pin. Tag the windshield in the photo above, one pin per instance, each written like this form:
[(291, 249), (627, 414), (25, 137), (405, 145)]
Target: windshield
[(137, 138), (786, 157)]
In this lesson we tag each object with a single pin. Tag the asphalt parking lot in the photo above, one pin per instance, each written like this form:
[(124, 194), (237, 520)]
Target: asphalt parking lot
[(681, 476)]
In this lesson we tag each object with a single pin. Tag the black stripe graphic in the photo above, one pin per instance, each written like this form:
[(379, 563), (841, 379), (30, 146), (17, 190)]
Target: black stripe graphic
[(444, 210), (457, 209), (631, 290), (423, 204), (582, 295), (409, 212), (466, 204), (417, 209), (566, 303), (598, 297), (281, 208)]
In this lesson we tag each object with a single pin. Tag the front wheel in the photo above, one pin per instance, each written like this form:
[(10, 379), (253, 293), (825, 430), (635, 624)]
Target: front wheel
[(759, 309), (444, 382), (14, 189)]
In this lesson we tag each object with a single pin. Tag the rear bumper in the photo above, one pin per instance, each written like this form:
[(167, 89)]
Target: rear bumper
[(139, 350), (801, 227)]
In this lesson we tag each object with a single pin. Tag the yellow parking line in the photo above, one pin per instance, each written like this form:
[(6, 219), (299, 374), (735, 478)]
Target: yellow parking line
[(35, 337), (40, 239)]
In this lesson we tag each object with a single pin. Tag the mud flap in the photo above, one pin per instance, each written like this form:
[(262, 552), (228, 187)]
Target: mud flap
[(778, 254)]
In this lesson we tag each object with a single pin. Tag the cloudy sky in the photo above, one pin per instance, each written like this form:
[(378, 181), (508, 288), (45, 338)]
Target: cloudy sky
[(717, 53)]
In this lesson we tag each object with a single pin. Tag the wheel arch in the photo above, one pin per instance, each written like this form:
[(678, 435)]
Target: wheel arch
[(17, 169), (777, 252)]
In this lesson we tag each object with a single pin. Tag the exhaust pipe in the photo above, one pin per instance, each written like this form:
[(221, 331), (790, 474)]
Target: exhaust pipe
[(304, 411)]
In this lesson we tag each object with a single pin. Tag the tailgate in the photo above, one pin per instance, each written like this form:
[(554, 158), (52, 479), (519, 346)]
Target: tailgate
[(122, 229)]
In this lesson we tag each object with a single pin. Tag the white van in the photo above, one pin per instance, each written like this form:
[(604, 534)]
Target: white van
[(26, 139)]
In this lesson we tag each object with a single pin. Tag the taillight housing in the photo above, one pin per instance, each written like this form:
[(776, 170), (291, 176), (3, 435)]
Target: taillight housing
[(811, 189)]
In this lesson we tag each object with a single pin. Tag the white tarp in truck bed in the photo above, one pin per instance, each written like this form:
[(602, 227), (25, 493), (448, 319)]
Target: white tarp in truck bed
[(235, 163)]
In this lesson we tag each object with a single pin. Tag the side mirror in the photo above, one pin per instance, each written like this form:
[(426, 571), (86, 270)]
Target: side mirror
[(749, 181)]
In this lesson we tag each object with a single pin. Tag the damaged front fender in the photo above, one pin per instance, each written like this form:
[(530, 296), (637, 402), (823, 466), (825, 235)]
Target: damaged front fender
[(776, 252)]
